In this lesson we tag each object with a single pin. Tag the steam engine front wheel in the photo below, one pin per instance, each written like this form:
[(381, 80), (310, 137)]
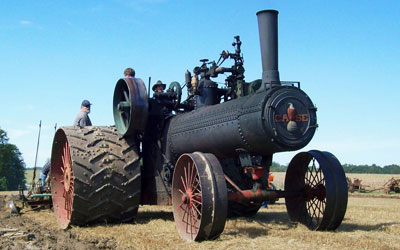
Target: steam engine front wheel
[(199, 197), (321, 179)]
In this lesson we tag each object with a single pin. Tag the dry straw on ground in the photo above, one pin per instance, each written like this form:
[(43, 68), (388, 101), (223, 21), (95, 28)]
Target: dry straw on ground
[(370, 223), (373, 181)]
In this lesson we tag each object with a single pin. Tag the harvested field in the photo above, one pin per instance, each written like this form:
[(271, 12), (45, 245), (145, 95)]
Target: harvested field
[(373, 181), (370, 223)]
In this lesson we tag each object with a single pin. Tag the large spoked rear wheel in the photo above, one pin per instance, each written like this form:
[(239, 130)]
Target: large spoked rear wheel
[(199, 197), (95, 176), (320, 177)]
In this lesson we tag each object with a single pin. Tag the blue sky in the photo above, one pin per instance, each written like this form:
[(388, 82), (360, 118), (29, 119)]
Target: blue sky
[(54, 54)]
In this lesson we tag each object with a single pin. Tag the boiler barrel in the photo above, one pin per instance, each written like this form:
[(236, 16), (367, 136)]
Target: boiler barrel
[(261, 124)]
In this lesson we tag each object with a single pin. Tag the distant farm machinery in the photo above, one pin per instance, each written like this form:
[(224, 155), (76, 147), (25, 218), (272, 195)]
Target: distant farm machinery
[(392, 185), (39, 192), (355, 185)]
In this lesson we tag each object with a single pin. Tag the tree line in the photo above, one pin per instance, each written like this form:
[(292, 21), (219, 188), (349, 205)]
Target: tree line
[(351, 168), (12, 166)]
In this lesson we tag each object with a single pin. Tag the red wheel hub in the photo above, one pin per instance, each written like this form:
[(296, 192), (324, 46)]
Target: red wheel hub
[(318, 191), (67, 177), (187, 197)]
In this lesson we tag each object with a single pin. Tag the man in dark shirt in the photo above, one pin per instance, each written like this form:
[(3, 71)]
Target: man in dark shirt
[(82, 119), (45, 171), (159, 87)]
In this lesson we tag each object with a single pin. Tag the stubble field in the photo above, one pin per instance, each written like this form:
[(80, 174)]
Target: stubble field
[(370, 223)]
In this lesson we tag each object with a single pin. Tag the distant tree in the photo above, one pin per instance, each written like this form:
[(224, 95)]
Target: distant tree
[(3, 183), (371, 169), (3, 137), (12, 166), (391, 169), (276, 167)]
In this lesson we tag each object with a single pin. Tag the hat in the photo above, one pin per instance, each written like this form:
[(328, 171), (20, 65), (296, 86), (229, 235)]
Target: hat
[(158, 83), (86, 103)]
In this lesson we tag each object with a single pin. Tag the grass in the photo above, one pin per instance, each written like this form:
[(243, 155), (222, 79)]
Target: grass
[(29, 175)]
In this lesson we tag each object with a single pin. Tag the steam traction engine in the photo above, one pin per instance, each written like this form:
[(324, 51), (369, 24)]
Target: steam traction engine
[(209, 155)]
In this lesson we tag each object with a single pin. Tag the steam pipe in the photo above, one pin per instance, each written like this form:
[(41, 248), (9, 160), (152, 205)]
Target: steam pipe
[(268, 32)]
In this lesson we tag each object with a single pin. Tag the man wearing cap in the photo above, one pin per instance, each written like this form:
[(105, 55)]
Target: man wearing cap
[(158, 87), (82, 119)]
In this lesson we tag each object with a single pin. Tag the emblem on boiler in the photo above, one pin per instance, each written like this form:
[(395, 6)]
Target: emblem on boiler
[(291, 112)]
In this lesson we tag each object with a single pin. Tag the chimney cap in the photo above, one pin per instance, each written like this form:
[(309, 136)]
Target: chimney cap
[(273, 11)]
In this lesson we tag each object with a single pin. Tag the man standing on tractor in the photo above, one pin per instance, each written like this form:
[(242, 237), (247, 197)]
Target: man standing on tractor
[(82, 119), (129, 72)]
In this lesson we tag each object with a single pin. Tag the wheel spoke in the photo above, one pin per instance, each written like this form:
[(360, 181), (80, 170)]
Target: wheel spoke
[(187, 217), (320, 175), (196, 201), (186, 176), (322, 181), (192, 176), (197, 186), (315, 207), (184, 208), (195, 216), (313, 181), (125, 120), (183, 182), (191, 223), (126, 96), (198, 211)]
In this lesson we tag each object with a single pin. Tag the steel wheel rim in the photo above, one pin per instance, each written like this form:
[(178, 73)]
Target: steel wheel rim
[(62, 180), (190, 202), (321, 179), (199, 197)]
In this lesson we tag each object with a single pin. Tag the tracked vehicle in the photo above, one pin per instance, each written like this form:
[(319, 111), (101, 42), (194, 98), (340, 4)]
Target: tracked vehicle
[(208, 156)]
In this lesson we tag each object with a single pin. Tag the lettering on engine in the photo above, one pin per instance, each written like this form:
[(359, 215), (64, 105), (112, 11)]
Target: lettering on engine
[(298, 118)]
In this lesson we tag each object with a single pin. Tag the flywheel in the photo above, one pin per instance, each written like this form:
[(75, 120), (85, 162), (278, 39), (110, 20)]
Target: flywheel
[(130, 106), (95, 176)]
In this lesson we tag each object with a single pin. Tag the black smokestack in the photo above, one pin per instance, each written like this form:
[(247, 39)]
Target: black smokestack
[(268, 31)]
